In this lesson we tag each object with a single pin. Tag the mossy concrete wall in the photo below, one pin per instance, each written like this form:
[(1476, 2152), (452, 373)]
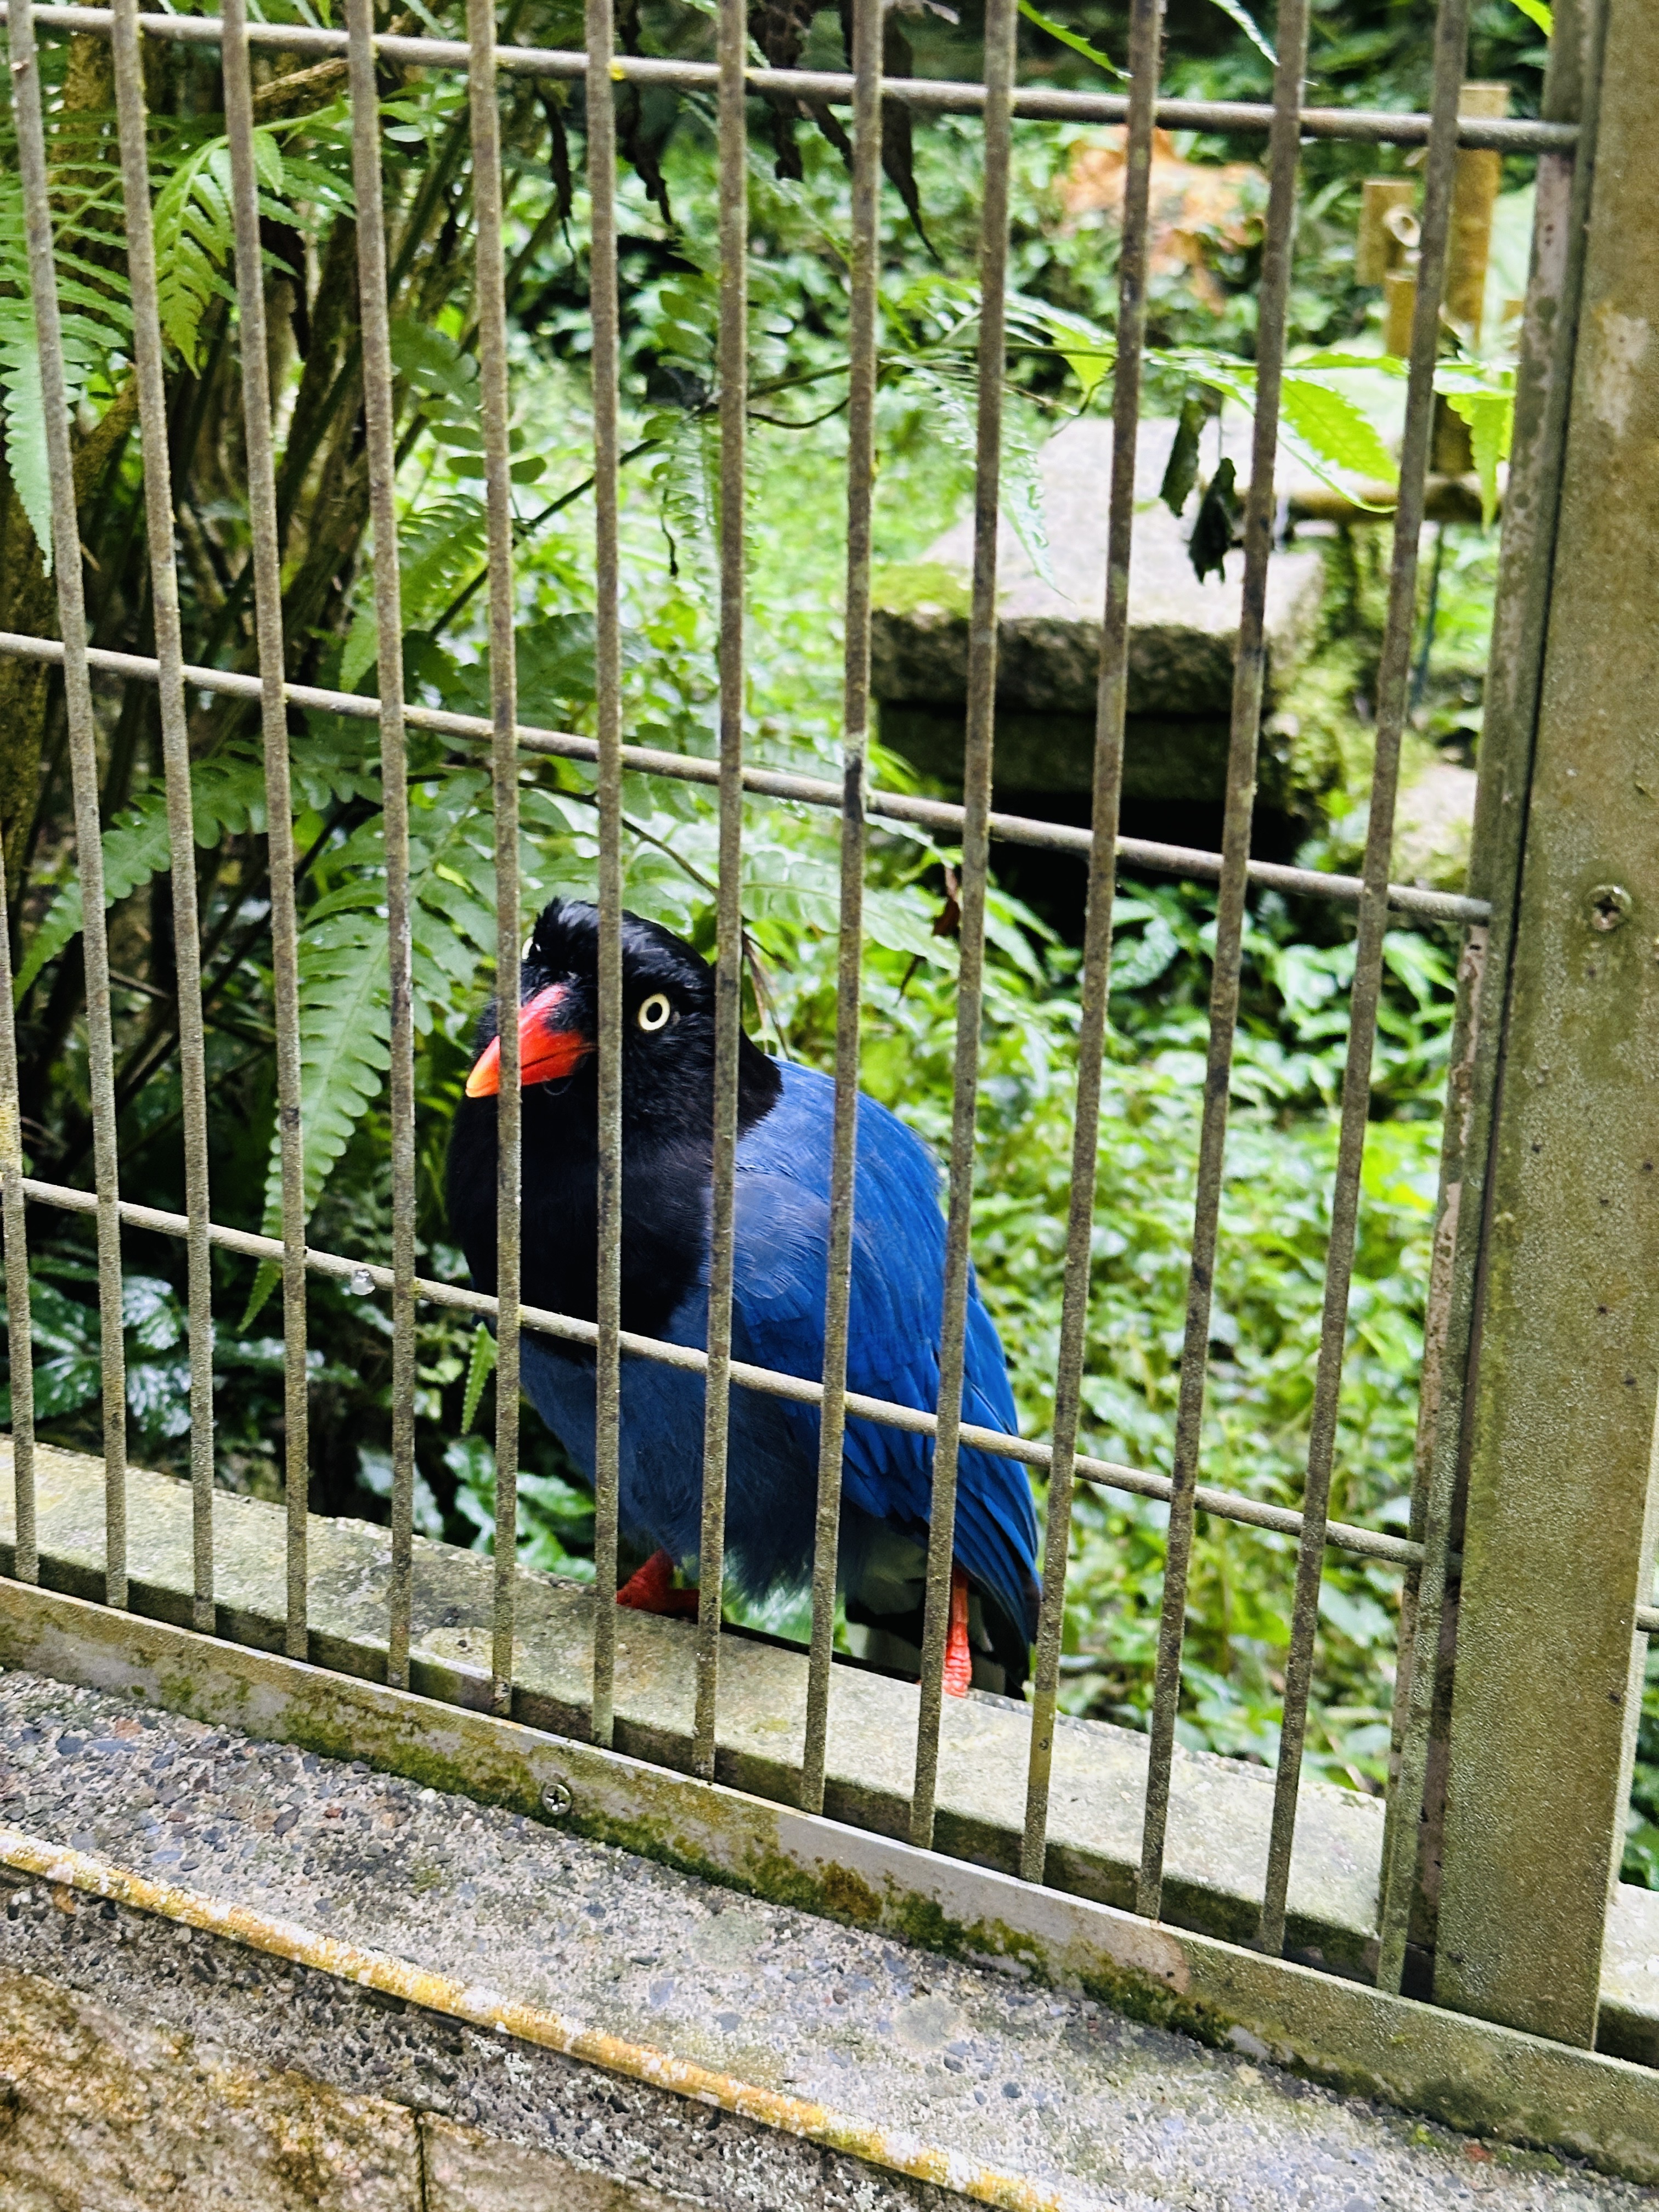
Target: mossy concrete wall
[(99, 2108)]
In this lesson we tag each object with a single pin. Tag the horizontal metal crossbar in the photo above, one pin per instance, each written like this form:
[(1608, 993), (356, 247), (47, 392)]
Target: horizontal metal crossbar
[(1108, 1474), (778, 783), (1369, 126)]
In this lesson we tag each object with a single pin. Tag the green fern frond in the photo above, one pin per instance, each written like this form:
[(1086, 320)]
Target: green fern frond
[(194, 239), (687, 479), (23, 406), (439, 549), (344, 987), (96, 316), (480, 1366), (227, 798), (194, 232)]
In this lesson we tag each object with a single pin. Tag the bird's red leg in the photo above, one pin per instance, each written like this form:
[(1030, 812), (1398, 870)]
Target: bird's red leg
[(958, 1659), (651, 1588)]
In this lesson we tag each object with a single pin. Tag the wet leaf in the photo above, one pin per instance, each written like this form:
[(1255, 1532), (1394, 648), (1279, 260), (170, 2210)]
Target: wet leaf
[(1213, 533), (1182, 472)]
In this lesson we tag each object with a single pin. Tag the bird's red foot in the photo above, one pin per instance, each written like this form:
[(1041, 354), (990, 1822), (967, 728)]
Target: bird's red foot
[(958, 1659), (650, 1589)]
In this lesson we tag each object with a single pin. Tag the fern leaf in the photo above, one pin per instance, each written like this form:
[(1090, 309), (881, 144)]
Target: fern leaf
[(226, 797), (344, 1048), (480, 1366), (26, 421), (345, 1022), (194, 238), (687, 478)]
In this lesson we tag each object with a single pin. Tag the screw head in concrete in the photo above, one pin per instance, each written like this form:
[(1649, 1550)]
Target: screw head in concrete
[(1608, 905), (556, 1799)]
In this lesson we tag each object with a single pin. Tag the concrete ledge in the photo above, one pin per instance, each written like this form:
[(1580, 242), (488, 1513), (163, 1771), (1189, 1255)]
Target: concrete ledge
[(1220, 1808), (142, 2062), (98, 2104)]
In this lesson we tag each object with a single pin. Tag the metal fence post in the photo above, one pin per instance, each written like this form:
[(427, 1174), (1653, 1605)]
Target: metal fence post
[(1557, 1541)]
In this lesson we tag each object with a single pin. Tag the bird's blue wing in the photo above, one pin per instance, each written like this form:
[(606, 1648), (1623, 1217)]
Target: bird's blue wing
[(898, 1261)]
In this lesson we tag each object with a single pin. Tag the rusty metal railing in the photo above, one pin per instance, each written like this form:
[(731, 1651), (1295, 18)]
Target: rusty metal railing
[(1286, 123)]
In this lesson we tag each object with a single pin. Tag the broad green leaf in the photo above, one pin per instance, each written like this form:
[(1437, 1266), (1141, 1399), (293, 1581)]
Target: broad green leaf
[(1328, 421), (1181, 472), (1491, 418), (1539, 12), (1088, 353)]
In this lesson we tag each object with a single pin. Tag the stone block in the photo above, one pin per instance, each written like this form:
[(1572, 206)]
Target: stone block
[(1183, 635), (467, 2171), (108, 2111)]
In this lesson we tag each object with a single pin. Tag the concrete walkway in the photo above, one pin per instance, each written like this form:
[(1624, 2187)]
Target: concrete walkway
[(1070, 2104)]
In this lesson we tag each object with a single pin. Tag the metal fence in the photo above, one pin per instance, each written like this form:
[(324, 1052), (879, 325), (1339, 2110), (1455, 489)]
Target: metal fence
[(1486, 919)]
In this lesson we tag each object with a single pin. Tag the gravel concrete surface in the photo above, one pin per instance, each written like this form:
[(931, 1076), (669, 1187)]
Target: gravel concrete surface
[(1102, 2109)]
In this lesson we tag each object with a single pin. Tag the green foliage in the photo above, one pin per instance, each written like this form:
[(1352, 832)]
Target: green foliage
[(1486, 404), (1642, 1835), (194, 241), (346, 993), (228, 797), (195, 235), (92, 311), (1078, 45), (555, 1521)]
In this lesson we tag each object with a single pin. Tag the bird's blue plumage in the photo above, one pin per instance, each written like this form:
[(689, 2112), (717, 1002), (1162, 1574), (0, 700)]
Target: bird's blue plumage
[(782, 1217)]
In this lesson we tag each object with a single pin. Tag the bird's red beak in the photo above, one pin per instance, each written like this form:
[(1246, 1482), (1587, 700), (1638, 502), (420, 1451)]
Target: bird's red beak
[(547, 1049)]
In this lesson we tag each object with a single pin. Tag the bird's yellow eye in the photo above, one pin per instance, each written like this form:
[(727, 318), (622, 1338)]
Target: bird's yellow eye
[(654, 1011)]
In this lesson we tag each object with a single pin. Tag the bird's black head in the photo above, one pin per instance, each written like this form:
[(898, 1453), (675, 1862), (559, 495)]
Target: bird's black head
[(667, 1086), (668, 1032)]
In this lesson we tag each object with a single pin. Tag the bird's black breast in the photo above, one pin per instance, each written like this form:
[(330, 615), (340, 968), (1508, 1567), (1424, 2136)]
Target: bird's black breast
[(664, 1217)]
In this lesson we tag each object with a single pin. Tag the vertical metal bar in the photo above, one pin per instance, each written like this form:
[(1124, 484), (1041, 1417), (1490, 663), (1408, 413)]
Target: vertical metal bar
[(855, 718), (1247, 675), (1423, 1609), (1243, 746), (394, 799), (175, 756), (1557, 1535), (84, 769), (279, 802), (1521, 616), (1451, 48), (26, 1558), (728, 991), (491, 279), (1001, 19), (602, 292)]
